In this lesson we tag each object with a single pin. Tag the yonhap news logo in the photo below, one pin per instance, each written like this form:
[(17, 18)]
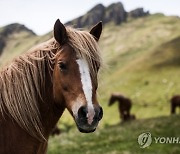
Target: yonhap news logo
[(145, 140)]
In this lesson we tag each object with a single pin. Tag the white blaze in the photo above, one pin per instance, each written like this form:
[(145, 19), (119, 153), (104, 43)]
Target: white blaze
[(87, 87)]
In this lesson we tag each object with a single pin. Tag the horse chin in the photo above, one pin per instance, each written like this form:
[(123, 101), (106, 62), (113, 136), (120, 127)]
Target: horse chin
[(86, 130)]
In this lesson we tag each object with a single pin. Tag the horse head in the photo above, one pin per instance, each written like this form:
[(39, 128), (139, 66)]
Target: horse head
[(75, 75)]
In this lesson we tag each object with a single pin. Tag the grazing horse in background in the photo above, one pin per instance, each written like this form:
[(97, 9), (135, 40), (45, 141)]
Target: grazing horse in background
[(38, 86), (175, 102), (55, 131), (124, 106)]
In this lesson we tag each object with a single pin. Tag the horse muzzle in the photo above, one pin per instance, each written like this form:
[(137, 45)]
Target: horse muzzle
[(87, 122)]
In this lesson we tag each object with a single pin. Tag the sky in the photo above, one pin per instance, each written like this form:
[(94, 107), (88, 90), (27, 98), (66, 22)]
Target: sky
[(40, 15)]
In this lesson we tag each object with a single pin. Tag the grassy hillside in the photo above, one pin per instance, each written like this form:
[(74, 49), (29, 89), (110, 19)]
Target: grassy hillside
[(119, 138), (143, 58), (19, 43)]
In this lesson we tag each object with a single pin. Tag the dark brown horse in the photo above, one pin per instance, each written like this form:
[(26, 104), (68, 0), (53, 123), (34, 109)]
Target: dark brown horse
[(124, 106), (175, 102), (36, 88)]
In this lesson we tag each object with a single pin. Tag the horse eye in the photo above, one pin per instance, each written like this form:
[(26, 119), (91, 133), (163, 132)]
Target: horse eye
[(62, 66)]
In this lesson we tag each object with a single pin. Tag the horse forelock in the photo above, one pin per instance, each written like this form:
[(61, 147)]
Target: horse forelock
[(86, 47)]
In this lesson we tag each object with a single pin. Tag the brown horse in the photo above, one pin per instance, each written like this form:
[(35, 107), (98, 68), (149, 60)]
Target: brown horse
[(175, 102), (36, 88), (124, 106)]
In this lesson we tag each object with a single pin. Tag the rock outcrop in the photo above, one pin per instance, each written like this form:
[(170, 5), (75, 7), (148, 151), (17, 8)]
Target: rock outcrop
[(116, 13), (139, 12), (113, 13), (9, 30)]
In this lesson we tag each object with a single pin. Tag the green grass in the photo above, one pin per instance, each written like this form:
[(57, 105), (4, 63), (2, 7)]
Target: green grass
[(18, 43), (119, 138)]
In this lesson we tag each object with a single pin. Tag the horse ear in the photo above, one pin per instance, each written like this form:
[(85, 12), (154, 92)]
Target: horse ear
[(96, 30), (60, 33)]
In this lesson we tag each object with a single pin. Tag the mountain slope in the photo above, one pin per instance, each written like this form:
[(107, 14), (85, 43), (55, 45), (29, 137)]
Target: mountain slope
[(13, 31), (141, 57), (13, 35), (18, 43)]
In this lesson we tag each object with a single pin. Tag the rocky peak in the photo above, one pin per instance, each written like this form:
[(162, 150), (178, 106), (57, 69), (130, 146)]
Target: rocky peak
[(98, 7), (14, 28), (9, 30), (116, 13), (113, 13), (136, 13)]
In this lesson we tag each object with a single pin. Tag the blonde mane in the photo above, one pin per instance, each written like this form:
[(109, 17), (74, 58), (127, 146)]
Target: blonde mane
[(22, 82)]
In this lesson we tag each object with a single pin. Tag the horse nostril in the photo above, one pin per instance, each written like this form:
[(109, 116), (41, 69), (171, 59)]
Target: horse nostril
[(100, 114), (82, 112)]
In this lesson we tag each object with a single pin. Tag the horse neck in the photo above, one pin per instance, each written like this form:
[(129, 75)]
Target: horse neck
[(112, 100), (118, 99)]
